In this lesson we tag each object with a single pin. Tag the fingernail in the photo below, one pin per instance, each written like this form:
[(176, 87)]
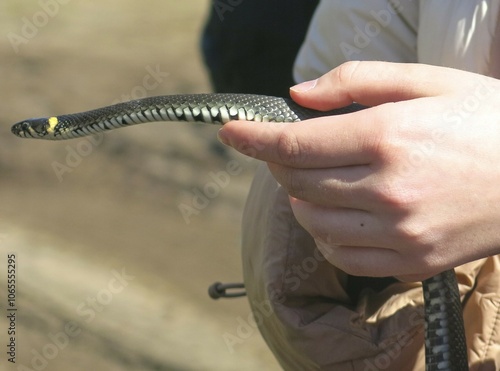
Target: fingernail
[(221, 136), (304, 86)]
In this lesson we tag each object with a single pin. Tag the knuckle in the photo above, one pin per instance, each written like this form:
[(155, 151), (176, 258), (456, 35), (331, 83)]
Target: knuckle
[(323, 238), (352, 264), (295, 186), (417, 238), (288, 148), (346, 71), (290, 179), (384, 142), (394, 195), (409, 231), (339, 255)]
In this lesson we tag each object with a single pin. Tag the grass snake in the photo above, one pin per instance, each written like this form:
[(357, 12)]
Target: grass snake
[(445, 345)]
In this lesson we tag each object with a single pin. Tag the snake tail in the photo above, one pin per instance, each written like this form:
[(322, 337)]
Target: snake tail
[(445, 343)]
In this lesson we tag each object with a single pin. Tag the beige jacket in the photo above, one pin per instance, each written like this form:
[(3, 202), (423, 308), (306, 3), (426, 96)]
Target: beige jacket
[(311, 314)]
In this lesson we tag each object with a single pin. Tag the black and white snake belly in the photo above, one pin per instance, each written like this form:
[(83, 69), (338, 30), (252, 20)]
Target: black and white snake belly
[(445, 345)]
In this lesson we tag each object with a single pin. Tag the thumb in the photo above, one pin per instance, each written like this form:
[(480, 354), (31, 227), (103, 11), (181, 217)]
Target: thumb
[(374, 83)]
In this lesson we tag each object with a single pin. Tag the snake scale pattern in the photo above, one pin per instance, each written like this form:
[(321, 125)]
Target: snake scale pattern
[(445, 345)]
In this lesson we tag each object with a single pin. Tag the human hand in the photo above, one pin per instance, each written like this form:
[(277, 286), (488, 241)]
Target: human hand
[(407, 188)]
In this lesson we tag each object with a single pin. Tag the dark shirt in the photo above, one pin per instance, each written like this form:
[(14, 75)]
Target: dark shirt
[(249, 46)]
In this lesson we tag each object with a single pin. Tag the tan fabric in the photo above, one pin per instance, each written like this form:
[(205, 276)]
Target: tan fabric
[(308, 320)]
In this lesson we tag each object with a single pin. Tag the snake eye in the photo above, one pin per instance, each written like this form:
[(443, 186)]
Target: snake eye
[(21, 129)]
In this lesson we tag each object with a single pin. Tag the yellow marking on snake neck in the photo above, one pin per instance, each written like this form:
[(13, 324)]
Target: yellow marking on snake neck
[(52, 124)]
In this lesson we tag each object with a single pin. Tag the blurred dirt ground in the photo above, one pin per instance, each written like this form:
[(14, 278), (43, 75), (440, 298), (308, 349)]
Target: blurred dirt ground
[(110, 274)]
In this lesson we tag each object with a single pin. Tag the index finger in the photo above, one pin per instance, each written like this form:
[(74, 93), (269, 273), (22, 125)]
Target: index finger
[(331, 141)]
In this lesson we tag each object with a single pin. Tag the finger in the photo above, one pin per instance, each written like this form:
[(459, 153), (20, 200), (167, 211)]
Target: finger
[(345, 140), (346, 187), (363, 261), (359, 243), (340, 226), (374, 83)]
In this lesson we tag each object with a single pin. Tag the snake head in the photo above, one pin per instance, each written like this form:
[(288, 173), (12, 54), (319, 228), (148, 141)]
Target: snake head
[(42, 128)]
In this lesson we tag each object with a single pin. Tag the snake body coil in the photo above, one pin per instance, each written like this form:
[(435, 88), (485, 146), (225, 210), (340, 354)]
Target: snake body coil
[(445, 345)]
